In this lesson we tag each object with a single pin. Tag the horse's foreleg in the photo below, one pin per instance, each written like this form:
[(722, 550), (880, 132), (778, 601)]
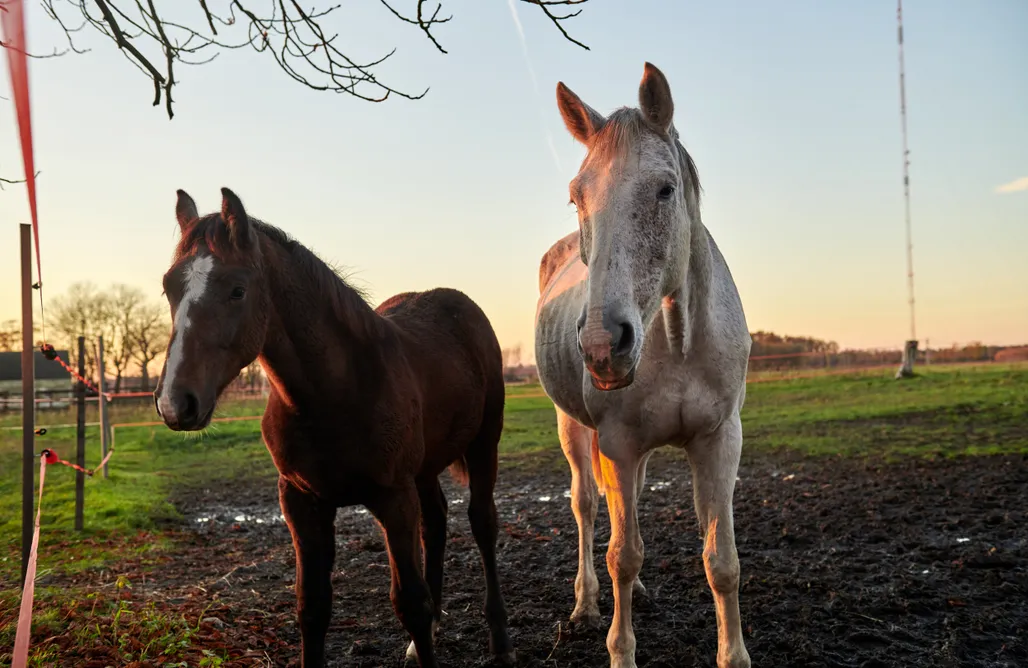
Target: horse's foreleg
[(625, 551), (575, 440), (311, 524), (640, 483), (715, 464), (398, 511)]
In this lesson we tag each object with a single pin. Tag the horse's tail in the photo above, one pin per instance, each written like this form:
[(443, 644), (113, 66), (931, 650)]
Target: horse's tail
[(597, 470), (459, 471)]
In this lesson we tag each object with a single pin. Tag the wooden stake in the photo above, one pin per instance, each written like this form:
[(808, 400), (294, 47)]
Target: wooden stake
[(28, 403)]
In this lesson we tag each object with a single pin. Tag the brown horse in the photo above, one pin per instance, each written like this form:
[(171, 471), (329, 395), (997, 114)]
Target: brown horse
[(367, 406)]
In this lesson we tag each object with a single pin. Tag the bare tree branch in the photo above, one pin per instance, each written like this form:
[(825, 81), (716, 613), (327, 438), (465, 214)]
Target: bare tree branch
[(556, 19), (293, 35), (421, 22), (12, 182)]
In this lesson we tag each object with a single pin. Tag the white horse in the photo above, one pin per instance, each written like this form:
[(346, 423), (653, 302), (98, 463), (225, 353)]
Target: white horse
[(641, 342)]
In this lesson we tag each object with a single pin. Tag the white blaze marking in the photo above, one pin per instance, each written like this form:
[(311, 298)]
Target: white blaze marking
[(196, 275)]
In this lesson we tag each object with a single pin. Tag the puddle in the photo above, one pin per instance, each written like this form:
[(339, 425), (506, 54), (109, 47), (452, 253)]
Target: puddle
[(240, 517)]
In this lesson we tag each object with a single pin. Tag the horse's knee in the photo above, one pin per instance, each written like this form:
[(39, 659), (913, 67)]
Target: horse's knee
[(722, 570), (625, 561), (585, 501)]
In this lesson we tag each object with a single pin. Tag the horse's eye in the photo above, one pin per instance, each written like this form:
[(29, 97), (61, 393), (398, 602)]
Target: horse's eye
[(238, 292), (666, 192)]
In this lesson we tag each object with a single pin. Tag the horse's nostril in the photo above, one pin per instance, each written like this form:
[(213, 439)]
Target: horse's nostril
[(157, 405), (190, 408), (622, 339)]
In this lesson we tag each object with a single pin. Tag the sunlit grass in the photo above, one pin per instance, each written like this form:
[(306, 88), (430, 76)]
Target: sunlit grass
[(945, 411)]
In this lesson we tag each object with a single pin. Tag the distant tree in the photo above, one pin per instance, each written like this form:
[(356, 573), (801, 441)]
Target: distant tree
[(125, 301), (149, 331), (82, 311), (511, 356), (252, 374), (10, 336)]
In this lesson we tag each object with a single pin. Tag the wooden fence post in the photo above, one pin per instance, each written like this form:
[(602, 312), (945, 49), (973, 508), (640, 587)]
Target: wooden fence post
[(80, 456), (28, 404), (105, 435)]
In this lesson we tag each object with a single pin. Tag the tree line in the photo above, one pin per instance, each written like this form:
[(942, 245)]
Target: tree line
[(803, 351), (135, 329)]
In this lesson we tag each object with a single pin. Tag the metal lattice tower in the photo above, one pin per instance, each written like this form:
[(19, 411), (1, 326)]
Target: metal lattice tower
[(906, 170)]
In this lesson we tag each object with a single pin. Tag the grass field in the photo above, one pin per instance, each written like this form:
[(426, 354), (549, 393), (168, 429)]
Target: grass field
[(945, 412)]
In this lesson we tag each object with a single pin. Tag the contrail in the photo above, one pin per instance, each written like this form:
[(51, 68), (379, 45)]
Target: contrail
[(535, 84)]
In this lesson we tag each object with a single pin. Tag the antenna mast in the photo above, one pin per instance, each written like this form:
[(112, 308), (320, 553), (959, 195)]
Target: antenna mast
[(906, 170)]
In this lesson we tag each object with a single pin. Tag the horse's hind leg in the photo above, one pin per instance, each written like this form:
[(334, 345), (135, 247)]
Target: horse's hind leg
[(715, 464), (482, 464), (433, 540), (575, 441), (311, 524), (398, 511)]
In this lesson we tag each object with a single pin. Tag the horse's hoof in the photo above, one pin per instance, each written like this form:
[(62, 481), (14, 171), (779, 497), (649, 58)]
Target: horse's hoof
[(508, 659), (737, 659), (586, 620)]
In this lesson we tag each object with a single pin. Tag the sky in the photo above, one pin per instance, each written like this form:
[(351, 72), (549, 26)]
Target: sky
[(791, 111)]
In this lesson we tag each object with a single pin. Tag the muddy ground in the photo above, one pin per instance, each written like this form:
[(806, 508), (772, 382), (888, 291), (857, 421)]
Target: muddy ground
[(844, 563)]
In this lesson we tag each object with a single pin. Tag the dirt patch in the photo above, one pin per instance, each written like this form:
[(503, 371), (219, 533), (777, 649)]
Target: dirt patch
[(843, 564)]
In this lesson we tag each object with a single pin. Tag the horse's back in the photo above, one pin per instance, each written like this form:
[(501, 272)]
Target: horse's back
[(556, 258), (452, 347), (441, 311), (562, 278)]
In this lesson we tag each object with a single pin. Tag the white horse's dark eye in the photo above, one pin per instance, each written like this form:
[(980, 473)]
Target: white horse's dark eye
[(238, 292), (666, 192)]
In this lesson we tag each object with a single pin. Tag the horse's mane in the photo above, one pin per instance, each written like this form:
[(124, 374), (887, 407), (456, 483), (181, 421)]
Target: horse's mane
[(323, 287)]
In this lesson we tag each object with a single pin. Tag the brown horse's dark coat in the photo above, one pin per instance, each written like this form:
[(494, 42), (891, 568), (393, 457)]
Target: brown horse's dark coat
[(366, 407)]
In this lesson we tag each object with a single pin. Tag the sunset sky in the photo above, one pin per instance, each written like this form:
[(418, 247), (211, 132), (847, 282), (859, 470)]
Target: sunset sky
[(789, 109)]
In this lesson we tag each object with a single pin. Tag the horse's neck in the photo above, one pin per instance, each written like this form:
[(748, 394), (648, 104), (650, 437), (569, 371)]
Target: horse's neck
[(313, 338), (686, 310)]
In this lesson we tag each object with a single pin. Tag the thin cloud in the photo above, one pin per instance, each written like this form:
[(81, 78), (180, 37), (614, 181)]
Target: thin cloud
[(535, 84), (1017, 185)]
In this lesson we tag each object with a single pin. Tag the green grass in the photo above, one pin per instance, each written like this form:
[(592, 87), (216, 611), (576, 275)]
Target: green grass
[(111, 624), (149, 464), (946, 411)]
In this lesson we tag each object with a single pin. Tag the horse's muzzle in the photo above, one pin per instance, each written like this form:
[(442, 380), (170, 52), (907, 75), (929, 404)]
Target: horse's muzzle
[(607, 385), (181, 410), (609, 358)]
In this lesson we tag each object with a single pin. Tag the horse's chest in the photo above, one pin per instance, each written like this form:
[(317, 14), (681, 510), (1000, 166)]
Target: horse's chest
[(665, 406), (329, 460)]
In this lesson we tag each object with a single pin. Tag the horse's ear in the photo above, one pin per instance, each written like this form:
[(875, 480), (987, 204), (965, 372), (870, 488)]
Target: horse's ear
[(581, 120), (185, 209), (234, 215), (655, 98)]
